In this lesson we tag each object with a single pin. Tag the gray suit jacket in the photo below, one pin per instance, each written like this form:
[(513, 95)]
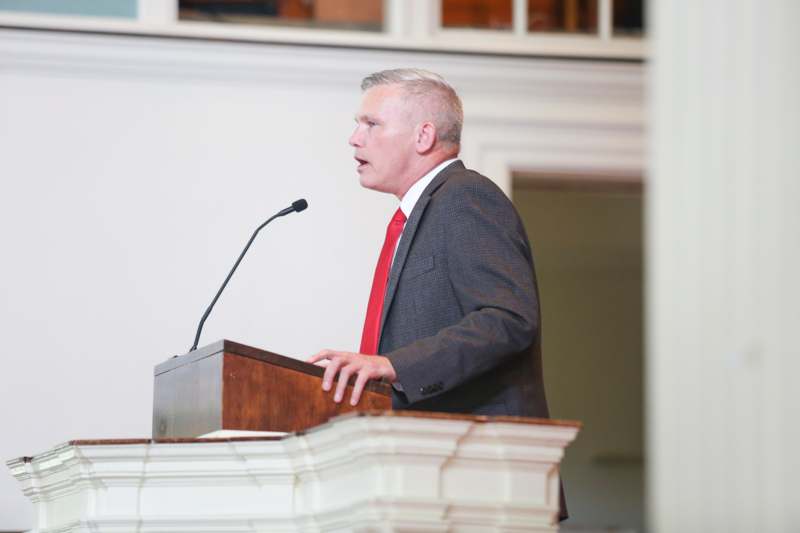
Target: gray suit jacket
[(461, 320)]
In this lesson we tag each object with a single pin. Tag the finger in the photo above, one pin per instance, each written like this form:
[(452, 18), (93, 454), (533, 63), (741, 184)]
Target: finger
[(341, 386), (319, 356), (330, 373), (323, 362), (358, 387)]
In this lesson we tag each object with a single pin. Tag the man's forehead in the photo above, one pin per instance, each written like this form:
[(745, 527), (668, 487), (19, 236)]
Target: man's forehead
[(381, 99)]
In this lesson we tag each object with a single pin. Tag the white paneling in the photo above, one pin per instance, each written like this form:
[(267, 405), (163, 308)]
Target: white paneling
[(722, 267), (134, 170)]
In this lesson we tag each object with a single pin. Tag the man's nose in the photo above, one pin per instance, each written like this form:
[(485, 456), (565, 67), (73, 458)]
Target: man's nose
[(356, 138)]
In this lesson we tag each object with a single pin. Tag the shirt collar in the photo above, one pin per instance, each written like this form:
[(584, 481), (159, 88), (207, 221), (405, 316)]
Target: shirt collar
[(412, 196)]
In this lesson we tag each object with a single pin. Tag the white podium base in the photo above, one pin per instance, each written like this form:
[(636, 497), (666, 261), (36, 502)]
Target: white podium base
[(392, 471)]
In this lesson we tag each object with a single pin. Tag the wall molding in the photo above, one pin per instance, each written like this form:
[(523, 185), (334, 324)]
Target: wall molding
[(523, 114)]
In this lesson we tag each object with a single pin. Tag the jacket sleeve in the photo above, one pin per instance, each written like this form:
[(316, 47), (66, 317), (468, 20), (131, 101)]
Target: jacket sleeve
[(490, 269)]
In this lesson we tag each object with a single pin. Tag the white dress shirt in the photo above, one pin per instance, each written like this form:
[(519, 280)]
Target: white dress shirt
[(411, 197)]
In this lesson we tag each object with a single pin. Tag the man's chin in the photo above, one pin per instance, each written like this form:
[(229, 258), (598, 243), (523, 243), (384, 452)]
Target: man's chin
[(374, 183), (368, 182)]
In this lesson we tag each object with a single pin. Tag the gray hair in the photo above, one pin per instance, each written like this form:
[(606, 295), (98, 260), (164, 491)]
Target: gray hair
[(422, 84)]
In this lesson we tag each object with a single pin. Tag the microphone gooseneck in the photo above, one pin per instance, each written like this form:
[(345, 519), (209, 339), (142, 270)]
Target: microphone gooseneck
[(297, 206)]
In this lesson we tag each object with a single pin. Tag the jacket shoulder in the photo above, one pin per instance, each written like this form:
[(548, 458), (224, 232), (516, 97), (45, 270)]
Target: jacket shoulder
[(465, 190), (463, 183)]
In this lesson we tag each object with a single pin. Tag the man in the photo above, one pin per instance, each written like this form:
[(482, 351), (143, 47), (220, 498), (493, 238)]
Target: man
[(454, 310), (454, 307)]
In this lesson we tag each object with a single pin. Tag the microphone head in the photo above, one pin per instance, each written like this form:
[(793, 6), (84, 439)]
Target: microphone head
[(299, 205)]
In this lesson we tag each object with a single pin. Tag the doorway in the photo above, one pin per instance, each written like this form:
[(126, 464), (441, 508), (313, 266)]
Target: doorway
[(586, 236)]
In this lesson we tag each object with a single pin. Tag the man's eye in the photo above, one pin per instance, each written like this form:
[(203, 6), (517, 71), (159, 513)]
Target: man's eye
[(371, 123)]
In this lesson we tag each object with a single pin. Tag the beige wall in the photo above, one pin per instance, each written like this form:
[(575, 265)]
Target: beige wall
[(588, 253)]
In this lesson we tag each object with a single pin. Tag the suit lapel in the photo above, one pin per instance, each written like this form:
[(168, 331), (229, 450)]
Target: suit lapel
[(408, 237)]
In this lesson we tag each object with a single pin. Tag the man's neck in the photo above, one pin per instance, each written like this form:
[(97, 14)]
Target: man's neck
[(423, 168), (409, 201)]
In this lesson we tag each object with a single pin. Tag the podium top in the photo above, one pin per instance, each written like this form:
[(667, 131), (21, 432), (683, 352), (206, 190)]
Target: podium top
[(235, 348), (419, 415)]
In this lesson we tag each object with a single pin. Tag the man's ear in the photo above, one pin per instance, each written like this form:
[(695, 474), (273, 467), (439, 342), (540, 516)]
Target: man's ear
[(425, 137)]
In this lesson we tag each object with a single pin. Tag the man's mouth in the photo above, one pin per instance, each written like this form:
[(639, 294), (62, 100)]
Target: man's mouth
[(361, 163)]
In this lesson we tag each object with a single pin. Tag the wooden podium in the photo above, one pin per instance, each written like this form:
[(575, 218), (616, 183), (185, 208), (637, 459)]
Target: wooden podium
[(374, 470), (227, 385)]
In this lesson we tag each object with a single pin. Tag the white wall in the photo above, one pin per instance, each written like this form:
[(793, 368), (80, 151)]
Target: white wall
[(133, 171), (723, 262)]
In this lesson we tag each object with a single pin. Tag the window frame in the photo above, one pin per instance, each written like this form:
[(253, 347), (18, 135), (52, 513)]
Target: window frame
[(408, 25)]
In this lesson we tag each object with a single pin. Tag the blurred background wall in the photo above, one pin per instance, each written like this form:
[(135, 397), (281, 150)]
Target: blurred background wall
[(723, 256)]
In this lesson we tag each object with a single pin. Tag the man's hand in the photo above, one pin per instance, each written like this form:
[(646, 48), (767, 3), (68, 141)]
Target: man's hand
[(346, 364)]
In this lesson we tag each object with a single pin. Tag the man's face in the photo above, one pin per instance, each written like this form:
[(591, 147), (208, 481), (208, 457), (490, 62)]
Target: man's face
[(384, 139)]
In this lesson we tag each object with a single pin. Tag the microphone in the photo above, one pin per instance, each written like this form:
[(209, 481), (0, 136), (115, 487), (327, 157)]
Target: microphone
[(298, 205)]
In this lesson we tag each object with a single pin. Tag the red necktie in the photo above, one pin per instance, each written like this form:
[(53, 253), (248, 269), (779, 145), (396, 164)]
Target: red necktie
[(372, 323)]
